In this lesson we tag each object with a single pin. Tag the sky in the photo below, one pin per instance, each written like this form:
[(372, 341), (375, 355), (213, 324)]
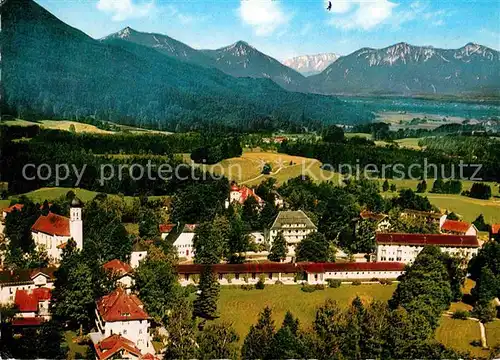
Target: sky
[(288, 28)]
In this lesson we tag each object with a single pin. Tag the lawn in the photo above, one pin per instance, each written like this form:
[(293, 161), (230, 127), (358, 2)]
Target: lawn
[(458, 334), (74, 348), (241, 307), (468, 208)]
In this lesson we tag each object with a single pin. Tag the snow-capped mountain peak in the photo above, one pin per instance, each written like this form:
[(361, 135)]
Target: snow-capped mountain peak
[(311, 64)]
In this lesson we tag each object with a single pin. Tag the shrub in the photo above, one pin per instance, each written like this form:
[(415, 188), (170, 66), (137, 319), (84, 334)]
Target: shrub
[(260, 284), (319, 287), (333, 283), (247, 287), (460, 315), (385, 282), (229, 278), (308, 288), (278, 282), (245, 278), (356, 282), (195, 278), (190, 289), (375, 279)]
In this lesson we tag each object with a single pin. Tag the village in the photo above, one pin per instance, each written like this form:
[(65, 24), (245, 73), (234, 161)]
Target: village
[(123, 327)]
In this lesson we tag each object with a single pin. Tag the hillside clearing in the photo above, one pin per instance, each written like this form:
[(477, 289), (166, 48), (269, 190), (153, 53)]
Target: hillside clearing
[(458, 335)]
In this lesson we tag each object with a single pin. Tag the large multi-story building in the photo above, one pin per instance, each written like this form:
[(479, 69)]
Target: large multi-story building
[(123, 314), (294, 225), (184, 242), (405, 247)]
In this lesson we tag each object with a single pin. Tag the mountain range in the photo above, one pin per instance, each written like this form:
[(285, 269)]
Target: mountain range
[(311, 64), (52, 70)]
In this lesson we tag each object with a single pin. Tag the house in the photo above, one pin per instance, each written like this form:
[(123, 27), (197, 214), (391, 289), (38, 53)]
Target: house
[(139, 252), (121, 271), (458, 228), (240, 194), (51, 232), (123, 314), (25, 279), (290, 273), (294, 225), (382, 220), (116, 347), (184, 242), (165, 229), (495, 232), (32, 307), (405, 247)]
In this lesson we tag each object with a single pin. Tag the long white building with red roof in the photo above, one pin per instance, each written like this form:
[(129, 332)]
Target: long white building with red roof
[(123, 314), (51, 232), (405, 247)]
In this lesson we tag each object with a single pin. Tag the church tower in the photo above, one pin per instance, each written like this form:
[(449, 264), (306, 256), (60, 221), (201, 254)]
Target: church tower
[(76, 222)]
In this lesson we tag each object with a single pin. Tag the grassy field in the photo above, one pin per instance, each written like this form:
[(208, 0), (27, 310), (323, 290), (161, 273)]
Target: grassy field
[(493, 333), (73, 347), (241, 308), (458, 334), (468, 208)]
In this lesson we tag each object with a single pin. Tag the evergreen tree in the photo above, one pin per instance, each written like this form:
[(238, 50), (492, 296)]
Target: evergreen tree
[(393, 188), (385, 186), (452, 216), (211, 241), (149, 222), (486, 288), (180, 327), (279, 248), (481, 224), (257, 344), (438, 186), (205, 305), (422, 186)]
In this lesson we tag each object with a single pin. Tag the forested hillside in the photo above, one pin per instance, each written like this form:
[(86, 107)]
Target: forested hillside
[(52, 70)]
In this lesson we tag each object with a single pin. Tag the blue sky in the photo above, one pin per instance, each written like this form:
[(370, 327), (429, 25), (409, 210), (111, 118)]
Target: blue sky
[(286, 28)]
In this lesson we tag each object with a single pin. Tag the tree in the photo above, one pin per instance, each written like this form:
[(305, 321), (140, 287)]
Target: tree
[(486, 288), (314, 248), (328, 328), (279, 248), (438, 186), (211, 241), (480, 224), (452, 216), (385, 186), (422, 186), (480, 191), (238, 241), (258, 342), (267, 169), (374, 327), (156, 283), (485, 311), (205, 305), (457, 272), (287, 343), (333, 134), (364, 237), (250, 213), (50, 339), (393, 188), (180, 327), (407, 199), (149, 222), (218, 341)]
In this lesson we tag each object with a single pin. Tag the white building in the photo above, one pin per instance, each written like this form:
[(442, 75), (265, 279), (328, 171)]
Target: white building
[(405, 247), (32, 307), (139, 253), (295, 226), (123, 314), (165, 229), (290, 273), (239, 195), (24, 279), (184, 242), (51, 232), (122, 272)]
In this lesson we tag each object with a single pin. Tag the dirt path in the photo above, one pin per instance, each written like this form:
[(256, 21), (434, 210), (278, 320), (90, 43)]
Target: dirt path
[(482, 329)]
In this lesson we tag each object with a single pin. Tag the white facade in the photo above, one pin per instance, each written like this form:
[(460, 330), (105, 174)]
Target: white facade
[(407, 253), (8, 290), (50, 243), (136, 257), (321, 278), (136, 331), (294, 225), (76, 226)]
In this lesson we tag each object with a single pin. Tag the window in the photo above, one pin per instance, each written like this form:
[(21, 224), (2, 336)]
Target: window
[(140, 331), (220, 276), (237, 276), (186, 277), (125, 332), (270, 276)]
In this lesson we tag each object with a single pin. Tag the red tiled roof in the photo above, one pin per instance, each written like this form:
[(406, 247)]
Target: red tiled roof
[(52, 224), (427, 239), (365, 214), (114, 344), (17, 207), (291, 267), (28, 321), (149, 356), (456, 226), (118, 267), (166, 228), (27, 300), (120, 306), (245, 193), (495, 229), (189, 227)]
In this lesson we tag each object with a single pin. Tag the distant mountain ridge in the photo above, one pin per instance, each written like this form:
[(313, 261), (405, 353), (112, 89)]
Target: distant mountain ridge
[(311, 64), (406, 69)]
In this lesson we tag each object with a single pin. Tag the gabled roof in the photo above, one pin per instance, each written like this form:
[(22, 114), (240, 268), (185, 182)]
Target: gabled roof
[(189, 228), (114, 344), (17, 207), (120, 306), (118, 267), (368, 215), (245, 193), (290, 268), (166, 228), (291, 218), (456, 226), (495, 229), (52, 224), (427, 239), (27, 300), (24, 275)]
